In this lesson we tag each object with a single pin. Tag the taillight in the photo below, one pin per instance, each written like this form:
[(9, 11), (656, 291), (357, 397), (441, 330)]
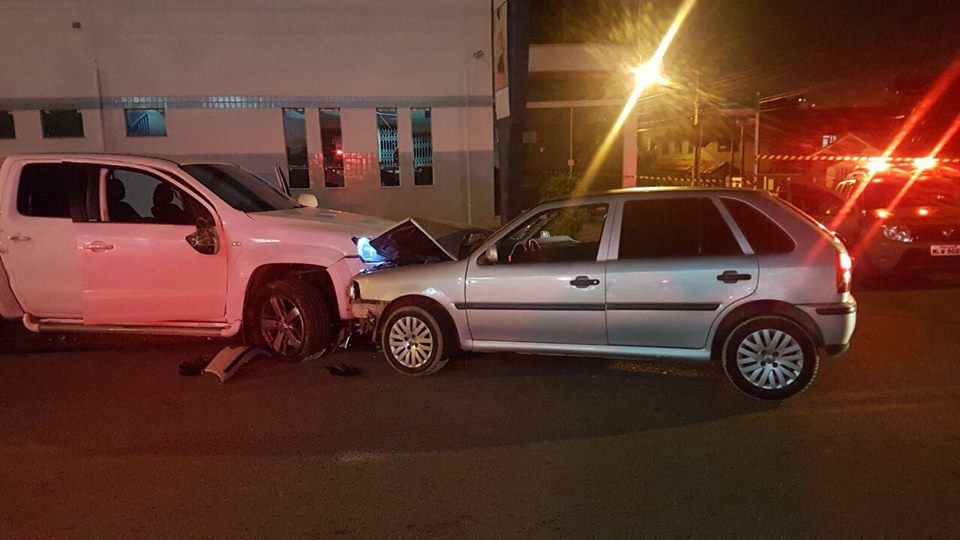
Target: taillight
[(844, 274)]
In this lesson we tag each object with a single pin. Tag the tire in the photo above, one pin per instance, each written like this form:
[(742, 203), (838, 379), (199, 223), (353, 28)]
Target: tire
[(770, 358), (414, 341), (306, 329)]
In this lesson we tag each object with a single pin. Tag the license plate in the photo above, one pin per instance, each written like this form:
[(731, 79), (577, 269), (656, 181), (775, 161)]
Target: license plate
[(945, 250)]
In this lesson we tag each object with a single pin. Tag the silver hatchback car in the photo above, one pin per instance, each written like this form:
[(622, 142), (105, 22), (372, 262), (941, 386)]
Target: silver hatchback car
[(730, 276)]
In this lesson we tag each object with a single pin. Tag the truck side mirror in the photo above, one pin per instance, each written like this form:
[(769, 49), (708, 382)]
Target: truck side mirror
[(205, 240), (309, 200)]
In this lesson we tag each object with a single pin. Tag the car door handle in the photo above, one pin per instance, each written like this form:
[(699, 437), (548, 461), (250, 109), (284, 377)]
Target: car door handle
[(582, 282), (20, 238), (97, 246), (732, 276)]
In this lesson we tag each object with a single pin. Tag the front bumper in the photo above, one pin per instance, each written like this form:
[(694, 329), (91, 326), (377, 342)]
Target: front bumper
[(890, 257)]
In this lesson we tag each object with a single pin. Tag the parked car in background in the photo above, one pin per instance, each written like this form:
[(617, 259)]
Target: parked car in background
[(901, 224), (116, 243), (732, 276)]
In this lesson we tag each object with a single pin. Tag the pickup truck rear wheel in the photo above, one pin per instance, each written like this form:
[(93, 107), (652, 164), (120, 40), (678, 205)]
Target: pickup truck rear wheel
[(291, 319)]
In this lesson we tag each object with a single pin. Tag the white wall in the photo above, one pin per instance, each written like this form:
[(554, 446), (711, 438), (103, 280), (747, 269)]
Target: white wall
[(244, 47), (356, 54)]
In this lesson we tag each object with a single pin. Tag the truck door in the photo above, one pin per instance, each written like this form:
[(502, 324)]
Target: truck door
[(42, 204), (138, 264)]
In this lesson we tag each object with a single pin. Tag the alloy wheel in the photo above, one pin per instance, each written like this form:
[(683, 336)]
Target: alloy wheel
[(282, 325), (770, 359), (411, 342)]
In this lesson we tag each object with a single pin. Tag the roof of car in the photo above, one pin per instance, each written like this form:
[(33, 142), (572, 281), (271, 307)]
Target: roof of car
[(132, 159), (654, 189)]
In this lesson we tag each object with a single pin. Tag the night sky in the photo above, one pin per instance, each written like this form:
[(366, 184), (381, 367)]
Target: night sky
[(842, 52)]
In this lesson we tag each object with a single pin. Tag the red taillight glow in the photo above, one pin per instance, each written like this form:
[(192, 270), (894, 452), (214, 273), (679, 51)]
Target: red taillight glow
[(844, 271)]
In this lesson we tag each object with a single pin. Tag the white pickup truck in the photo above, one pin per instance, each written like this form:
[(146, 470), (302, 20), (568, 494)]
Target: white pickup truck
[(117, 243)]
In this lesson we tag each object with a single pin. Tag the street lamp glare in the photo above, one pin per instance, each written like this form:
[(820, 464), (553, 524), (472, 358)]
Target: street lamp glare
[(648, 74)]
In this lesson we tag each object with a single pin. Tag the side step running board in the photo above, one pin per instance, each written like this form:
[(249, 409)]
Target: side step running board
[(225, 330)]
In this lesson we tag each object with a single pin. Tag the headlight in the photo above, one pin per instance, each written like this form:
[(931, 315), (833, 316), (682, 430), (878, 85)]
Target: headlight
[(897, 233), (366, 251)]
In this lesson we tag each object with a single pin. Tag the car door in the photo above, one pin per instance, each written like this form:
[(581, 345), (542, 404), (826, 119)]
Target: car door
[(38, 238), (547, 283), (138, 264), (675, 264)]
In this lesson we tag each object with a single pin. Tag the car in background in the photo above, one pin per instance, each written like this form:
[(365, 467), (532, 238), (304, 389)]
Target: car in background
[(724, 275), (902, 224)]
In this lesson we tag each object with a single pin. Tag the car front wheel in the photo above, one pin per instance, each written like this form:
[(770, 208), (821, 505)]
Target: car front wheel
[(413, 341), (770, 358), (291, 319)]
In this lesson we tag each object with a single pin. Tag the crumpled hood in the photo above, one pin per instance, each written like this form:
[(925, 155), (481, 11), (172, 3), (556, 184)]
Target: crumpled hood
[(418, 241)]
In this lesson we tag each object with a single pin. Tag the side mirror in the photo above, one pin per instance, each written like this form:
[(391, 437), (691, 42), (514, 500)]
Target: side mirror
[(308, 200), (489, 256), (205, 240)]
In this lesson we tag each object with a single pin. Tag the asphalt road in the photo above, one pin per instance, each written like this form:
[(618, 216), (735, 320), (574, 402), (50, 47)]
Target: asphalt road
[(100, 437)]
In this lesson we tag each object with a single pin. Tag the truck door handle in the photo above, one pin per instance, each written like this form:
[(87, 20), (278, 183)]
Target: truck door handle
[(732, 276), (20, 238), (582, 282), (97, 246)]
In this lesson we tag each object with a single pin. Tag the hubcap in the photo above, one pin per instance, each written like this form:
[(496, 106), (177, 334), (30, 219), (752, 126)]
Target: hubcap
[(770, 359), (282, 325), (411, 342)]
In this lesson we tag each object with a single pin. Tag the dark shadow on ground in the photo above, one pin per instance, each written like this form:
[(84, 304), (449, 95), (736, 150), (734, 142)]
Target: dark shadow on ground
[(905, 282), (122, 397)]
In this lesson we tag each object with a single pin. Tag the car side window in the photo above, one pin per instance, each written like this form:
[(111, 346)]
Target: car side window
[(763, 234), (674, 227), (137, 197), (57, 190), (567, 234)]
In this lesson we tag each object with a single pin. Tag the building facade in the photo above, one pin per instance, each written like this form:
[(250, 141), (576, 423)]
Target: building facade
[(375, 106)]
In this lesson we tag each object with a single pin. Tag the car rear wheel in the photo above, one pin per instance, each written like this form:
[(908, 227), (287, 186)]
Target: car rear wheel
[(291, 319), (413, 341), (770, 358)]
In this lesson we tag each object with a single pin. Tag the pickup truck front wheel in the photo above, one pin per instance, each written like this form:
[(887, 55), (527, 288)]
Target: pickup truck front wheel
[(291, 319)]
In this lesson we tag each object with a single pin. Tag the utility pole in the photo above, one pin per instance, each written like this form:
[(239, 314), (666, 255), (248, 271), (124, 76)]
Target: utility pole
[(743, 152), (570, 161), (699, 127), (732, 155), (756, 143)]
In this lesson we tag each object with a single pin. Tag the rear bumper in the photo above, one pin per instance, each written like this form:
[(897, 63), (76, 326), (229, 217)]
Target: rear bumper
[(836, 322)]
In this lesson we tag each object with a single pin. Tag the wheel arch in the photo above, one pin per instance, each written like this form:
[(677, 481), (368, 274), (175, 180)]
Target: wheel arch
[(315, 275), (759, 308), (434, 307)]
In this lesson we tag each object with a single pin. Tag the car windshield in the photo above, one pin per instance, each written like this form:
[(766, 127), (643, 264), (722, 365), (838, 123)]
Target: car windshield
[(932, 191), (240, 189)]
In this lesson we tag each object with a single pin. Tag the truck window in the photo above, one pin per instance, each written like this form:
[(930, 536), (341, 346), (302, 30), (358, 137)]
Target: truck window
[(138, 197), (56, 190)]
